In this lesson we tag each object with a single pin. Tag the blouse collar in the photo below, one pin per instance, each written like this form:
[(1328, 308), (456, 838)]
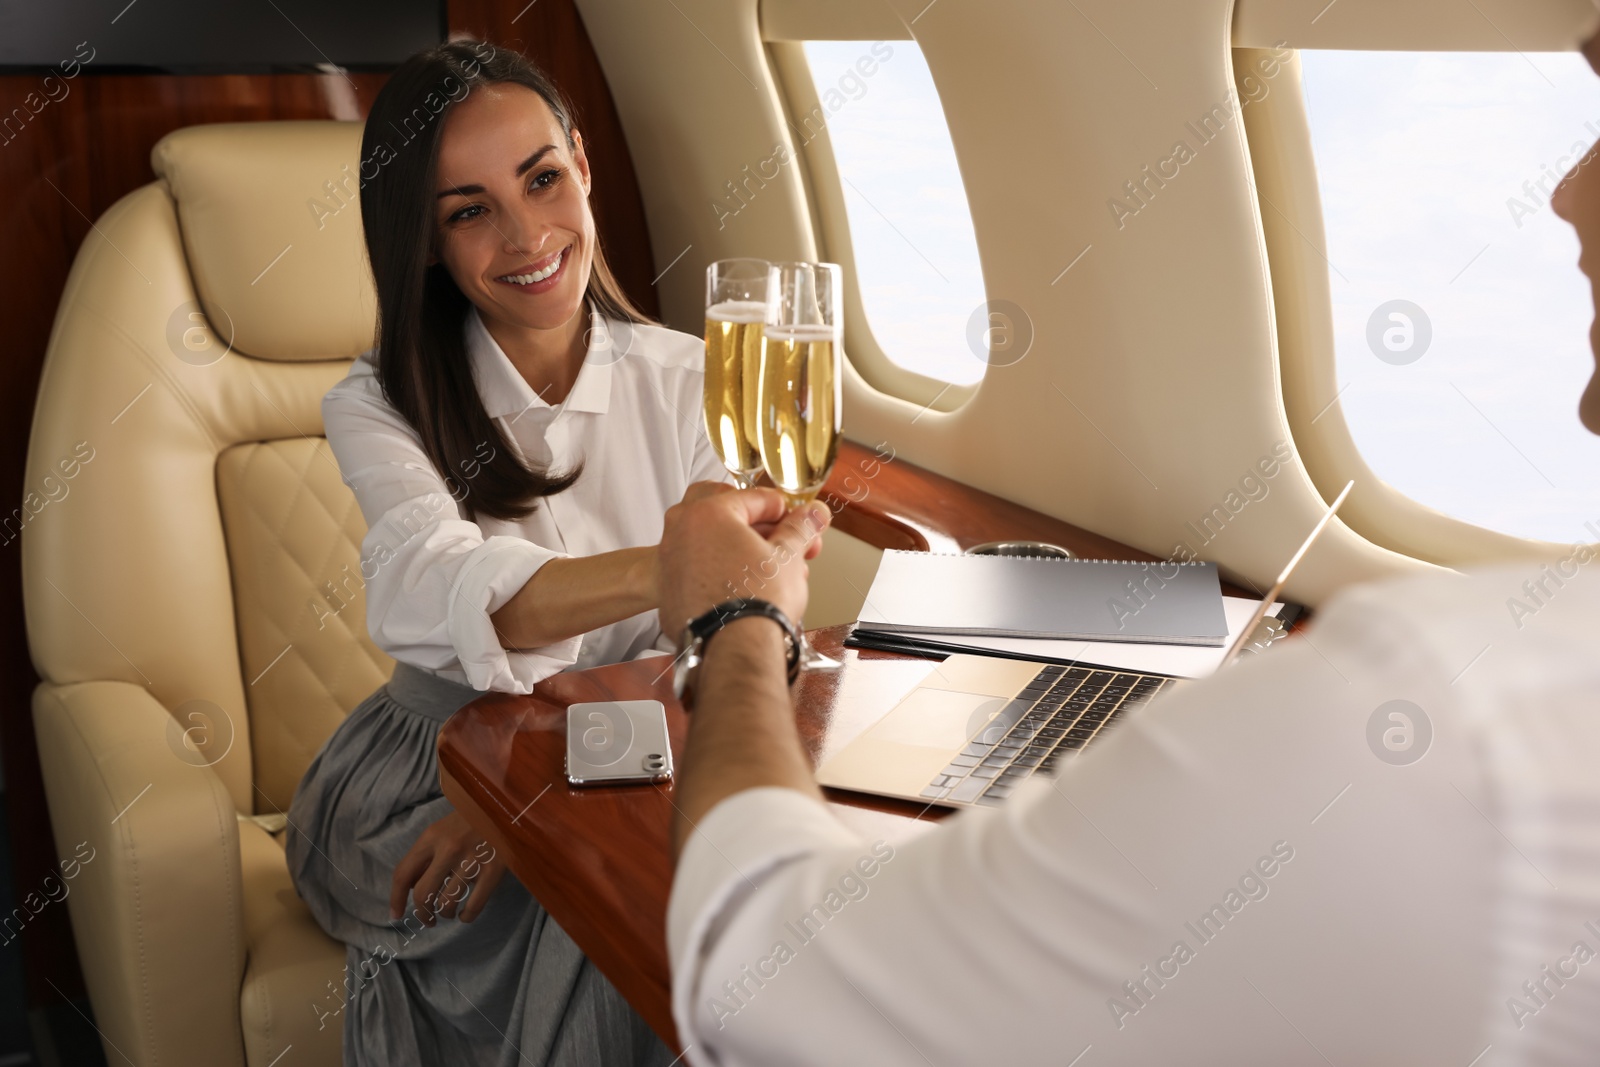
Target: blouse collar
[(505, 392)]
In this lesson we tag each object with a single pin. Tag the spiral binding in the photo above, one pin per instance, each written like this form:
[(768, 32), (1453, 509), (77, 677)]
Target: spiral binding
[(1058, 559)]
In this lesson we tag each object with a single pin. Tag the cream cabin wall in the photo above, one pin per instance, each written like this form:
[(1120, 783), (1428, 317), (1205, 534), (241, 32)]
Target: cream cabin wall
[(1153, 385)]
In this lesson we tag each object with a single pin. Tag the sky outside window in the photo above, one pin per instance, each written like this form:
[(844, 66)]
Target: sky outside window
[(916, 255), (1435, 171)]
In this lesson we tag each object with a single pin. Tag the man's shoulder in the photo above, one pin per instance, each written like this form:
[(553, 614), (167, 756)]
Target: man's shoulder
[(1528, 615), (1567, 585)]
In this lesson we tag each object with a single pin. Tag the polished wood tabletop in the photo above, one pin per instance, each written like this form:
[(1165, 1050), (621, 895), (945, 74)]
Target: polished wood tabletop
[(599, 859)]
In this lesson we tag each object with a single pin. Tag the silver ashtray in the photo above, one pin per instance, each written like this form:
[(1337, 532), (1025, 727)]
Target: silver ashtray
[(1021, 548)]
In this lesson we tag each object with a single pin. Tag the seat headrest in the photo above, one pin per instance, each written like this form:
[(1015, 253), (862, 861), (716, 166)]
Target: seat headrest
[(271, 220)]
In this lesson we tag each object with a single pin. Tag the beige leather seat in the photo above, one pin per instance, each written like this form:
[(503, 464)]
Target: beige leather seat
[(193, 590)]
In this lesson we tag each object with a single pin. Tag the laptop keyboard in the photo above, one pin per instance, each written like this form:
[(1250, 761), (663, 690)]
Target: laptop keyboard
[(1058, 713)]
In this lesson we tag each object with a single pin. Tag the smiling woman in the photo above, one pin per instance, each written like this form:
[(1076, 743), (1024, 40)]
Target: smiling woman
[(514, 441), (486, 223)]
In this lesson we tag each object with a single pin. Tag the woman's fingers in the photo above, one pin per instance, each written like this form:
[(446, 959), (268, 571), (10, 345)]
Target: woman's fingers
[(439, 871), (436, 889), (481, 889), (439, 889), (429, 887), (406, 873), (450, 894)]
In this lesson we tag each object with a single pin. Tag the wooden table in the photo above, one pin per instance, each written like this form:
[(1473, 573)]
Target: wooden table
[(599, 860)]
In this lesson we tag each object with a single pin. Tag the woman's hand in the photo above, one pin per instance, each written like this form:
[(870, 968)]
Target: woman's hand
[(448, 858)]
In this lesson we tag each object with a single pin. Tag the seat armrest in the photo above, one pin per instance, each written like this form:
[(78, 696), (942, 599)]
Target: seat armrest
[(149, 847)]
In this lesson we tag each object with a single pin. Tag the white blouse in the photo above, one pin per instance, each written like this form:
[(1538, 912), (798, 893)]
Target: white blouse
[(433, 578)]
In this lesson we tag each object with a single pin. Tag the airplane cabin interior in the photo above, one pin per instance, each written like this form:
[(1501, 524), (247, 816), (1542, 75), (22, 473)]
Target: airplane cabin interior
[(1141, 418)]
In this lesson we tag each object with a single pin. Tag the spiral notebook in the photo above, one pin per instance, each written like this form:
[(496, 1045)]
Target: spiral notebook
[(1161, 602)]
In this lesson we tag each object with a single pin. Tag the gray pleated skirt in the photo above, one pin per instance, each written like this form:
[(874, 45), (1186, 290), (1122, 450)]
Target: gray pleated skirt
[(509, 988)]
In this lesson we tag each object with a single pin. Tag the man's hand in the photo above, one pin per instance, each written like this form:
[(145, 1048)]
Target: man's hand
[(728, 543), (447, 859), (705, 490)]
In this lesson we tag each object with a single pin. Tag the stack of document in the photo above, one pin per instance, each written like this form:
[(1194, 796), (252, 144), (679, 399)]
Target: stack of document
[(1163, 617), (1180, 661)]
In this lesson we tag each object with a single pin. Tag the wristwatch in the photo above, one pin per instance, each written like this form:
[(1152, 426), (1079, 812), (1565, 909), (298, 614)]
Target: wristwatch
[(701, 628)]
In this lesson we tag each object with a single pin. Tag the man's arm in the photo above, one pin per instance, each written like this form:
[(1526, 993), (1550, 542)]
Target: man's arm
[(1231, 858), (742, 733)]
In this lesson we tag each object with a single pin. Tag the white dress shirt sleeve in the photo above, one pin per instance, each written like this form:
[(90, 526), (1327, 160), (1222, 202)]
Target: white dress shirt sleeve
[(1186, 890), (966, 939), (735, 849), (432, 577)]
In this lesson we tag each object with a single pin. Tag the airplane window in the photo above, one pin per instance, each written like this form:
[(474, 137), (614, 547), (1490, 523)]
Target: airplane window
[(1461, 321), (916, 255)]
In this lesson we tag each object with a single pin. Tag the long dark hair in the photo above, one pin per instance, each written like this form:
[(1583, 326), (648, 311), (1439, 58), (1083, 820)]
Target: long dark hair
[(422, 354)]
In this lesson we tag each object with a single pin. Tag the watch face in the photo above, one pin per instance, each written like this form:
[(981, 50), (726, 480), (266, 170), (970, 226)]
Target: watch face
[(680, 670)]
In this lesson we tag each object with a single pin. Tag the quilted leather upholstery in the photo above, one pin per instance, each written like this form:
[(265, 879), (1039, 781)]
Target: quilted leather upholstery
[(192, 586), (294, 533)]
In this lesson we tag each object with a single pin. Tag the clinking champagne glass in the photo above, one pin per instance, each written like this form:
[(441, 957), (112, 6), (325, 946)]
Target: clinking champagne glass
[(736, 305), (800, 388)]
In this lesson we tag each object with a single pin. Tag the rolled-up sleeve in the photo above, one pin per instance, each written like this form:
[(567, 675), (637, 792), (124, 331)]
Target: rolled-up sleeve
[(432, 578)]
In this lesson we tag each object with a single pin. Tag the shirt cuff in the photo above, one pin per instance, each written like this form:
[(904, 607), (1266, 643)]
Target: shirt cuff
[(499, 568), (745, 838)]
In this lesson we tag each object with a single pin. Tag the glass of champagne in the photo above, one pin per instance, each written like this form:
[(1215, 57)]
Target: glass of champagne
[(800, 388), (736, 304)]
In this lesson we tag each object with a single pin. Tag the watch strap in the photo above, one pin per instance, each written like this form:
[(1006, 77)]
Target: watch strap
[(703, 627)]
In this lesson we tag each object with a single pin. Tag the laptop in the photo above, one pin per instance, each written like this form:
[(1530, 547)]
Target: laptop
[(979, 726)]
